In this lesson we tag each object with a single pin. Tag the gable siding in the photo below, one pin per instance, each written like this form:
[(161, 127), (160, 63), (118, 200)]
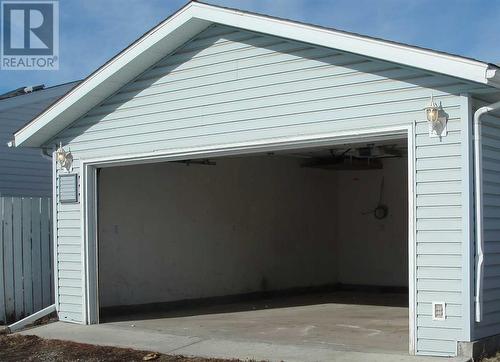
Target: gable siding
[(228, 86), (490, 133)]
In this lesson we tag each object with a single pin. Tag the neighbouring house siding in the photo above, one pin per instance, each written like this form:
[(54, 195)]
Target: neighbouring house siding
[(490, 133), (24, 172), (228, 86)]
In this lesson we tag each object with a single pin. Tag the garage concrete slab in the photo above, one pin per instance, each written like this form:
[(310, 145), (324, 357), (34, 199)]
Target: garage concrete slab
[(120, 336), (343, 320), (304, 328)]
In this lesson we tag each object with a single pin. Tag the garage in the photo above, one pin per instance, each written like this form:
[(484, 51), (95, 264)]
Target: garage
[(303, 245), (232, 174)]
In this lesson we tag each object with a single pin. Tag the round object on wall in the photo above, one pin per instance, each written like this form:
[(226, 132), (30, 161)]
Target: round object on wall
[(381, 212)]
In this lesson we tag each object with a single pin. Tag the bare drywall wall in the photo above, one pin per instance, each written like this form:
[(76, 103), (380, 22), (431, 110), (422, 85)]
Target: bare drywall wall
[(170, 231), (373, 252)]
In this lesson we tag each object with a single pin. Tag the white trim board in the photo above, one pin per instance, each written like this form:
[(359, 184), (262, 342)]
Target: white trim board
[(412, 240), (89, 169), (55, 263), (468, 243), (195, 17)]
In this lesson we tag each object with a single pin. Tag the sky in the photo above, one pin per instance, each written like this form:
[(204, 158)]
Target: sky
[(93, 31)]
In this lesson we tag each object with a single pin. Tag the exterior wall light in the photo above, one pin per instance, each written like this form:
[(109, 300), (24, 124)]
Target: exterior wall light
[(437, 119), (64, 158)]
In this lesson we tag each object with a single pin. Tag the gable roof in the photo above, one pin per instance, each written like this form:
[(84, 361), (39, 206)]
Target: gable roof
[(193, 18)]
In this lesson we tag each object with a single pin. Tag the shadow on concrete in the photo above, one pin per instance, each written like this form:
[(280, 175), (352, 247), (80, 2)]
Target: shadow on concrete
[(332, 294)]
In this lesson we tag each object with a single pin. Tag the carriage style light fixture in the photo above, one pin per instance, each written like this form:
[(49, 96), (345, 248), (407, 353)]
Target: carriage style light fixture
[(64, 158), (437, 119), (432, 111)]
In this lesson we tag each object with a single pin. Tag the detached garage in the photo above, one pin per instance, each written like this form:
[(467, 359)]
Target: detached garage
[(319, 183)]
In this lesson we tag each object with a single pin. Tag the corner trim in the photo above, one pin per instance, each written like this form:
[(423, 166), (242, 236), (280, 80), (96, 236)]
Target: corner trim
[(467, 216)]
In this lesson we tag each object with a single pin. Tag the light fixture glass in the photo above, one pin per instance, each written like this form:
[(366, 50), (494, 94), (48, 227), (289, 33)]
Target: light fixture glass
[(64, 158), (61, 155), (432, 111), (437, 119)]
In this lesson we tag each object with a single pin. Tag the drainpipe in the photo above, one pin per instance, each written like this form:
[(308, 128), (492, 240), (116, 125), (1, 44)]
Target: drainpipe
[(45, 154), (43, 151), (478, 172)]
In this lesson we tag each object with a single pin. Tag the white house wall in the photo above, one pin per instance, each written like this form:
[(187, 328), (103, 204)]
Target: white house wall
[(228, 86)]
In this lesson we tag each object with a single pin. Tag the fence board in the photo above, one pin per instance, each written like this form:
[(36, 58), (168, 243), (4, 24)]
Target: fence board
[(45, 252), (26, 283), (28, 287), (8, 252), (36, 261), (18, 257)]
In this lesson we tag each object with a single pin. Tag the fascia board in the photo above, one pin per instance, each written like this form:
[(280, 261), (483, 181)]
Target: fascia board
[(455, 66)]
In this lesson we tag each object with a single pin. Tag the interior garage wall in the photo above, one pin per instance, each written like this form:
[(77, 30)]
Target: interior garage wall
[(171, 232), (373, 252)]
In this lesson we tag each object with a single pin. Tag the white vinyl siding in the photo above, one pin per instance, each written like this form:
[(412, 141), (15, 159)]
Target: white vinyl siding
[(229, 86), (69, 259)]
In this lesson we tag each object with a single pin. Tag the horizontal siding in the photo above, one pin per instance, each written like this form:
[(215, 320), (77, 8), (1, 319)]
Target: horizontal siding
[(69, 254), (439, 347), (231, 86), (491, 212), (23, 171), (439, 238)]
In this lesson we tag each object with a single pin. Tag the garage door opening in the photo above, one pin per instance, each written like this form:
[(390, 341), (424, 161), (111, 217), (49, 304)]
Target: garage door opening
[(287, 246)]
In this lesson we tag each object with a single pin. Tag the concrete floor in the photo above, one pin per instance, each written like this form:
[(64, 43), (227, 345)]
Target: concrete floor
[(303, 328), (343, 320)]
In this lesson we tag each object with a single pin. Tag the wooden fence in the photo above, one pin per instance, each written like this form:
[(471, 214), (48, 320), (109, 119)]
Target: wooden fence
[(26, 283)]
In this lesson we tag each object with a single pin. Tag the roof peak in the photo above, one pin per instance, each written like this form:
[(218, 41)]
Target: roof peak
[(195, 17), (201, 2)]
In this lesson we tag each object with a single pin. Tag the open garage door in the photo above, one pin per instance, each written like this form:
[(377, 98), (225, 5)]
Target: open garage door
[(318, 234)]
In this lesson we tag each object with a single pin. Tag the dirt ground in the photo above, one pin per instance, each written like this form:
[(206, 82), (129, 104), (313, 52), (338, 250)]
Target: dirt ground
[(492, 359), (32, 348)]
